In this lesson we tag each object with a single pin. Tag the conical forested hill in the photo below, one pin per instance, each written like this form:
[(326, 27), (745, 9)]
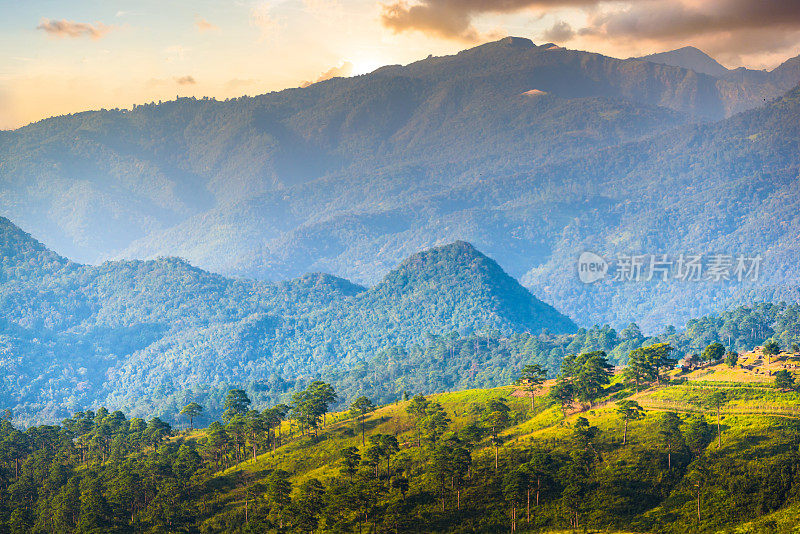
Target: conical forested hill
[(477, 290)]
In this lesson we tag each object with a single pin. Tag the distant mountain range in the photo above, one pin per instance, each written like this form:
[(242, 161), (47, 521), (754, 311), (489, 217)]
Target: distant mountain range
[(532, 153), (133, 334), (689, 58)]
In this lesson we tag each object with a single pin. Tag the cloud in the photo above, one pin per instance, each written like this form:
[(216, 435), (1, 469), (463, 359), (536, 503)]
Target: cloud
[(185, 80), (452, 19), (726, 26), (734, 30), (559, 32), (344, 69), (677, 18), (67, 28), (204, 26)]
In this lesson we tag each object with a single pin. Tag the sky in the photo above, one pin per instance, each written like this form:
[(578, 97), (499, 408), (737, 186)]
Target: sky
[(59, 57)]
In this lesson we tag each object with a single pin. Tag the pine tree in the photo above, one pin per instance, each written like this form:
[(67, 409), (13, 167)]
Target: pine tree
[(630, 410)]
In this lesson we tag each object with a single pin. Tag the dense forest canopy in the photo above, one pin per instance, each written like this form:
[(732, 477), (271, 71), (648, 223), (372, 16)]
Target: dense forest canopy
[(144, 335), (150, 337), (592, 450)]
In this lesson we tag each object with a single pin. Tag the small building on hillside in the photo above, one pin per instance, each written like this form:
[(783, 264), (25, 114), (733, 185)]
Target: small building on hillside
[(687, 363)]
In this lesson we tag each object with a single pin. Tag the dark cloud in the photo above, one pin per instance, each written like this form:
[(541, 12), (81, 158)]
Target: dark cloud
[(559, 32), (729, 28), (732, 25), (677, 19), (185, 80), (453, 18), (345, 69), (67, 28)]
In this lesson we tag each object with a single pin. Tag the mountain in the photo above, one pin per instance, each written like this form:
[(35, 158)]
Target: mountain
[(456, 276), (351, 176), (135, 334), (788, 73), (641, 197), (689, 58), (726, 190), (738, 86)]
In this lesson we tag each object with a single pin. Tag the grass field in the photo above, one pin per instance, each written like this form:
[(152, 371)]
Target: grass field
[(752, 425)]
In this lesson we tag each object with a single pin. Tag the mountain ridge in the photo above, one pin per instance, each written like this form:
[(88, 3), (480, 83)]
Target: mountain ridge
[(135, 333), (323, 178), (690, 58)]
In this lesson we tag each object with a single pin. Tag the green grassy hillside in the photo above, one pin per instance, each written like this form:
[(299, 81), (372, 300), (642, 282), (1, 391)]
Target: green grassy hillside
[(486, 460)]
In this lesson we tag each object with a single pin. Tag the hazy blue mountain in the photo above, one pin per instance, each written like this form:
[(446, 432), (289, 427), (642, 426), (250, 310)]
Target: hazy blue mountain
[(351, 176), (788, 73), (728, 187), (92, 183), (136, 333), (689, 58)]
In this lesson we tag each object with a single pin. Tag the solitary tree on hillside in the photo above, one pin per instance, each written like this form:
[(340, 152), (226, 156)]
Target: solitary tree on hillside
[(563, 392), (670, 431), (714, 352), (784, 379), (416, 409), (530, 378), (191, 411), (361, 407), (593, 373), (770, 349), (236, 403), (732, 358), (350, 460), (496, 417), (630, 410), (716, 400)]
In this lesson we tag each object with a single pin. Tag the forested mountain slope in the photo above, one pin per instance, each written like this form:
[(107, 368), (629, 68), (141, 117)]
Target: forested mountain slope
[(139, 332), (723, 188), (351, 176), (152, 336)]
